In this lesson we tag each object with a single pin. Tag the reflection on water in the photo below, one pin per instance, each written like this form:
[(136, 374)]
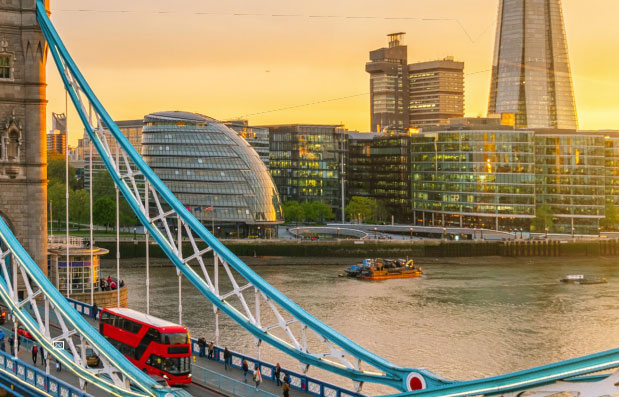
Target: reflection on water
[(460, 321)]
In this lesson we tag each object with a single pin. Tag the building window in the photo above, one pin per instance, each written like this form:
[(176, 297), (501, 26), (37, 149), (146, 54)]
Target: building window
[(5, 66), (12, 149)]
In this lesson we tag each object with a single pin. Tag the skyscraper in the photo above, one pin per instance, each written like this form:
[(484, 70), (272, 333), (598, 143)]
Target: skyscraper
[(436, 92), (389, 86), (531, 75)]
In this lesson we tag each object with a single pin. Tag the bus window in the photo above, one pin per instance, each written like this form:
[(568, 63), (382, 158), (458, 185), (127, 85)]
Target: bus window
[(176, 338)]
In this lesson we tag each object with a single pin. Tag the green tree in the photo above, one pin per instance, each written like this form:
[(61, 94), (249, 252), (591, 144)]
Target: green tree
[(79, 211), (611, 220), (293, 212), (103, 186), (363, 209), (56, 171), (323, 211), (104, 210), (309, 211), (56, 195), (543, 218)]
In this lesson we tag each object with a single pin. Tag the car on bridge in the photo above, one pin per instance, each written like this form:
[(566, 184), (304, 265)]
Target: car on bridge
[(2, 317), (25, 333)]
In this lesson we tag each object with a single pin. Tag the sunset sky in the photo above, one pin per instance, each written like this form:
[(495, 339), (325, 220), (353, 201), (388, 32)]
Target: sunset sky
[(197, 55)]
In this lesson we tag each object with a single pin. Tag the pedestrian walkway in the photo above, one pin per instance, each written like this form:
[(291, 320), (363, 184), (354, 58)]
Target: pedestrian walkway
[(237, 374)]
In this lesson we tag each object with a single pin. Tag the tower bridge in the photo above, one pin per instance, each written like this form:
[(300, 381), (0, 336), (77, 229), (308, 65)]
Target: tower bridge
[(27, 38)]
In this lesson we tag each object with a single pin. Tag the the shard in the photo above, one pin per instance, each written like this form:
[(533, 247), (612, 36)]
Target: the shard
[(531, 75)]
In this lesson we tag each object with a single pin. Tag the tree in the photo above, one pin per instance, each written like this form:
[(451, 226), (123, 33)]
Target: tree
[(362, 209), (104, 212), (79, 211), (611, 219), (543, 218), (56, 195), (309, 212), (103, 186), (293, 212), (323, 211), (56, 171)]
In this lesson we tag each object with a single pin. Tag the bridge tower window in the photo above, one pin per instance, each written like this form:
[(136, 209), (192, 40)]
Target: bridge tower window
[(5, 66)]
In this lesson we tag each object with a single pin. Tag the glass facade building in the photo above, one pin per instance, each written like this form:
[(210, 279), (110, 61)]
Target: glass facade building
[(570, 178), (378, 166), (213, 172), (531, 75), (257, 137), (475, 178), (479, 173), (306, 162)]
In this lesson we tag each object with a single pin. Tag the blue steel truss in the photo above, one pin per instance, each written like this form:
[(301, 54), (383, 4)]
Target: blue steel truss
[(286, 326)]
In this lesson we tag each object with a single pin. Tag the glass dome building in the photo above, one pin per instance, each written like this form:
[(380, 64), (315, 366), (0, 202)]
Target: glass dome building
[(214, 172)]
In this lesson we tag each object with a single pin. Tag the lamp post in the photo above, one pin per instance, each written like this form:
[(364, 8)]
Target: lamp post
[(219, 227), (521, 233), (474, 233), (546, 229), (375, 230), (338, 233), (134, 233), (259, 234), (599, 232), (573, 237), (444, 233), (411, 229)]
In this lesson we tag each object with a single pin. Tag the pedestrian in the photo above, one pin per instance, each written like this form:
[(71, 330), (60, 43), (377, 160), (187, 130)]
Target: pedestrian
[(113, 285), (95, 311), (58, 366), (35, 354), (201, 346), (245, 367), (286, 378), (257, 376), (11, 345), (227, 359), (42, 354), (122, 283), (286, 389), (109, 278), (211, 350), (277, 371)]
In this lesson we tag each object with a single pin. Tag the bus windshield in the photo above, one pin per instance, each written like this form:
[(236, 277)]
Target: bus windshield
[(176, 338)]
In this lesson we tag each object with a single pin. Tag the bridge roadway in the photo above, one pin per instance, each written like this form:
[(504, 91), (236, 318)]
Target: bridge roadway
[(196, 388)]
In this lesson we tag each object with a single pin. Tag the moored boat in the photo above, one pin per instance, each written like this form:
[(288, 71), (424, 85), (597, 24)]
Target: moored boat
[(582, 279)]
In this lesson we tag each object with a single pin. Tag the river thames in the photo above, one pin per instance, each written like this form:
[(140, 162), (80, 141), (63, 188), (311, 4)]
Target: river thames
[(461, 321)]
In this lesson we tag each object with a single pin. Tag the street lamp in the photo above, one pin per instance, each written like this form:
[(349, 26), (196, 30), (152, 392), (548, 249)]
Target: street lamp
[(218, 227), (474, 233), (521, 233), (375, 230), (546, 233), (444, 233), (134, 234), (259, 234), (573, 234), (338, 233), (411, 229), (599, 232)]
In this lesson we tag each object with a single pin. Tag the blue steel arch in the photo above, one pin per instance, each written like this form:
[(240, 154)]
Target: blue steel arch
[(392, 374)]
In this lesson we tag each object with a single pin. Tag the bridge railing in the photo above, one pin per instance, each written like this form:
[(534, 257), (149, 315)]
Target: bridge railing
[(267, 370), (226, 384), (29, 376), (297, 381)]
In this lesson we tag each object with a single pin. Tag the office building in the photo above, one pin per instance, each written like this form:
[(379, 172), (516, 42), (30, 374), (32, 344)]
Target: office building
[(131, 129), (213, 172), (257, 137), (436, 92), (531, 75), (57, 137), (389, 86), (404, 96), (306, 162), (379, 167)]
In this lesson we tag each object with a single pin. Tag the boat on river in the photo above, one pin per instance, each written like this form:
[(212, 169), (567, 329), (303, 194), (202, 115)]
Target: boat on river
[(582, 279), (384, 269)]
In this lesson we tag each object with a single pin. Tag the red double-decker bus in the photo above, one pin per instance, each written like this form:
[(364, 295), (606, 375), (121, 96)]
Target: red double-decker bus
[(156, 346)]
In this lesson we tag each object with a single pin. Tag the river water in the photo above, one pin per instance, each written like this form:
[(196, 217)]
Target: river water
[(461, 321)]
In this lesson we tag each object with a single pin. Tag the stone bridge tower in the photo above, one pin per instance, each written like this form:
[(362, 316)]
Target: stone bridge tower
[(23, 148)]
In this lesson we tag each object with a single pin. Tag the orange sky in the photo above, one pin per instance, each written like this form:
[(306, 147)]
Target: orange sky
[(197, 56)]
